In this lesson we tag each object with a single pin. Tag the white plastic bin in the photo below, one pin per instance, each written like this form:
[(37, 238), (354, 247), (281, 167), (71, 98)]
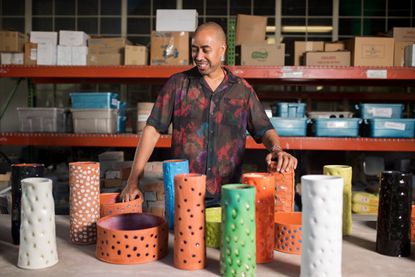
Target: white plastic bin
[(42, 119), (102, 121)]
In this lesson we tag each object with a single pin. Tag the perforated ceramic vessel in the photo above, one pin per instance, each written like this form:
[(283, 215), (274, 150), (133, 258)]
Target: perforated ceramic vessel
[(109, 205), (288, 232), (213, 226)]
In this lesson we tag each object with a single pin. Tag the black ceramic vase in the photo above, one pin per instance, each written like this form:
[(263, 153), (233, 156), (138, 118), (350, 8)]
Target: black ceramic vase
[(394, 214)]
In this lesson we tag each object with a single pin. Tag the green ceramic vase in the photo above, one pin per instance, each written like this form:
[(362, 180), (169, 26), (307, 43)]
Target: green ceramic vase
[(238, 248)]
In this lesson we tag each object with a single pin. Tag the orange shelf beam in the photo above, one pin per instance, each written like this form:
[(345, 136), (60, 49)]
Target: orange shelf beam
[(131, 140)]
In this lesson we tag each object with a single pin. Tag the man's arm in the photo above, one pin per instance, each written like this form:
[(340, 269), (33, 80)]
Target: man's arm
[(142, 154), (285, 161)]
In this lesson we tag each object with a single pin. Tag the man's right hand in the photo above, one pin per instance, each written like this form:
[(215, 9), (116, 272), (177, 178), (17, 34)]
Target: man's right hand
[(130, 192)]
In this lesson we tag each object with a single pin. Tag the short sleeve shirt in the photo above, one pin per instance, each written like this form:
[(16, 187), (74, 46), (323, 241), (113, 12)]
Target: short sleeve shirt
[(209, 128)]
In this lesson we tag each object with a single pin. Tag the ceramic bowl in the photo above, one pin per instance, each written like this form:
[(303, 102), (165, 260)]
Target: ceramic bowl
[(110, 206)]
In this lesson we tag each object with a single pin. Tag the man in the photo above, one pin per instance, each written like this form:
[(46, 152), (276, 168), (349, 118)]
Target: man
[(211, 109)]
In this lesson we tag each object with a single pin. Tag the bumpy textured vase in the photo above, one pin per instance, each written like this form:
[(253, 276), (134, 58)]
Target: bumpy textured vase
[(83, 201), (264, 184), (19, 172), (394, 215), (189, 221), (109, 205), (288, 232), (237, 254), (284, 190), (38, 238), (322, 198), (344, 171), (213, 224), (170, 169)]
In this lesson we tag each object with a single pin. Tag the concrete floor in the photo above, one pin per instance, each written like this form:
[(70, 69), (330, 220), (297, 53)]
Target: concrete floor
[(359, 258)]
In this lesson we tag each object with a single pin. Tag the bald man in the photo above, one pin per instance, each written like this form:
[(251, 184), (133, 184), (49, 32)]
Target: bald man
[(211, 109)]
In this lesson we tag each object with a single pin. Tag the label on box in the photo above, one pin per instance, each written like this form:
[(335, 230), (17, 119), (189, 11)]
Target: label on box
[(395, 126), (381, 112), (337, 124), (377, 74), (33, 54), (293, 74)]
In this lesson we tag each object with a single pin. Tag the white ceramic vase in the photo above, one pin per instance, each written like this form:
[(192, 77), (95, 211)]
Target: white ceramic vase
[(37, 231), (322, 198)]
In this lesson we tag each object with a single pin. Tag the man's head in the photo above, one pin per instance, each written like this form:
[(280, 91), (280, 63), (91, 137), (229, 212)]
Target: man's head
[(208, 47)]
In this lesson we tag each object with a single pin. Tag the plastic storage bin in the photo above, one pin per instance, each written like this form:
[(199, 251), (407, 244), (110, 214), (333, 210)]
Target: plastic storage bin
[(336, 127), (42, 119), (295, 127), (330, 114), (94, 100), (370, 110), (286, 109), (390, 128), (95, 120)]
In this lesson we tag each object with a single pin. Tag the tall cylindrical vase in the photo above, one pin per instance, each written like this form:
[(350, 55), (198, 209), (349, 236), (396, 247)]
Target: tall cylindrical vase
[(284, 190), (237, 254), (322, 198), (170, 169), (38, 238), (19, 172), (83, 201), (394, 214), (344, 171), (264, 184), (189, 221)]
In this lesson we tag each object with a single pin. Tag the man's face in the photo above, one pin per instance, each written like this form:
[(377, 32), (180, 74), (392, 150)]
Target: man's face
[(207, 51)]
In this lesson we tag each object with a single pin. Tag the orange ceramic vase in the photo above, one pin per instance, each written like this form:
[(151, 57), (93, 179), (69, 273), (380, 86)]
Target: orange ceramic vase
[(189, 221), (284, 190), (264, 213), (83, 201), (288, 232), (109, 205), (413, 223)]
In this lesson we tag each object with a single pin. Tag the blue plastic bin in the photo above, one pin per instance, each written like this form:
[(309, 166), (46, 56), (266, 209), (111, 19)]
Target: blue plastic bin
[(336, 127), (371, 110), (390, 128), (293, 127), (94, 100), (286, 109)]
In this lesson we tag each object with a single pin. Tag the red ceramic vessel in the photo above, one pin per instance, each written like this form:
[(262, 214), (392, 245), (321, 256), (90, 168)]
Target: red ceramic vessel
[(109, 205), (288, 232)]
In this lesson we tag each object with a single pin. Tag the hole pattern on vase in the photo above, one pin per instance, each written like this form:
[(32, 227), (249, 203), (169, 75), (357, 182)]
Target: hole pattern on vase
[(288, 232), (213, 226), (284, 190), (238, 250), (189, 221), (84, 201), (109, 205), (131, 238)]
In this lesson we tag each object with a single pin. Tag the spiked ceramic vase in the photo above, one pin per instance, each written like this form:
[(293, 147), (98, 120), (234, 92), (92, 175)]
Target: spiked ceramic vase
[(284, 190), (19, 172), (37, 232), (322, 198), (394, 214), (83, 201), (238, 251), (170, 169), (189, 221), (264, 184)]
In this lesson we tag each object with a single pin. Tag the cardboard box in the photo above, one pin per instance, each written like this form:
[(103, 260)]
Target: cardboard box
[(30, 53), (336, 58), (371, 51), (64, 55), (44, 37), (300, 47), (334, 46), (114, 183), (262, 54), (107, 45), (73, 38), (135, 55), (170, 48), (105, 59), (79, 55), (158, 211), (170, 20), (11, 41), (399, 52), (250, 29), (46, 54), (12, 58), (404, 34), (125, 173), (410, 55)]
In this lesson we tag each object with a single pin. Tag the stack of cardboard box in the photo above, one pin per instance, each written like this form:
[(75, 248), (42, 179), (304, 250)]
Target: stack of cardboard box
[(11, 47), (152, 187), (45, 44), (106, 51), (72, 48)]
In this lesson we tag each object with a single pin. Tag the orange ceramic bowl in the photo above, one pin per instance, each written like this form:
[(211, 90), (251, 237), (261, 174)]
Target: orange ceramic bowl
[(131, 238), (110, 206), (288, 232)]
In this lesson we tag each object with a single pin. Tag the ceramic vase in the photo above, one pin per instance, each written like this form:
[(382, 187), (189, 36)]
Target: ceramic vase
[(288, 232), (83, 201), (284, 190), (413, 222), (322, 198), (394, 214), (110, 205), (345, 172), (238, 249), (170, 169), (19, 172), (213, 225), (189, 221), (264, 184), (37, 232)]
